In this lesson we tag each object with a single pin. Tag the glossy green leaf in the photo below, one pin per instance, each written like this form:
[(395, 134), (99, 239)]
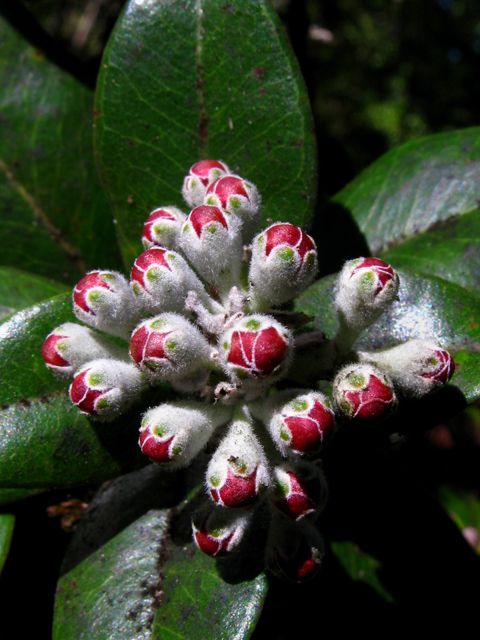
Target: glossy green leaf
[(450, 250), (428, 307), (7, 522), (19, 289), (184, 80), (414, 187), (55, 219), (360, 566), (46, 442), (122, 573)]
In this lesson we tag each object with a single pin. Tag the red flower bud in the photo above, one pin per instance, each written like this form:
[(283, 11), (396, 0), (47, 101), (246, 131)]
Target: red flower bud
[(169, 346), (305, 424), (104, 388), (381, 272), (199, 177), (162, 227), (50, 352), (286, 235), (206, 218), (364, 393), (82, 394), (218, 532), (256, 347), (441, 367), (299, 491), (236, 491), (87, 291), (302, 566), (239, 198)]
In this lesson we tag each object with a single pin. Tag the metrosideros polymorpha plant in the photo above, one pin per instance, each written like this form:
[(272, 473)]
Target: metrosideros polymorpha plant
[(218, 346)]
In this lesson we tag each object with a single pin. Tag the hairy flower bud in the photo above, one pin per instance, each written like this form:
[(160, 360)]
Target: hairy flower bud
[(161, 280), (298, 423), (284, 263), (366, 287), (300, 490), (201, 174), (363, 392), (162, 228), (256, 349), (176, 432), (103, 300), (103, 388), (212, 244), (240, 199), (295, 550), (71, 345), (218, 532), (169, 347), (416, 367), (238, 471)]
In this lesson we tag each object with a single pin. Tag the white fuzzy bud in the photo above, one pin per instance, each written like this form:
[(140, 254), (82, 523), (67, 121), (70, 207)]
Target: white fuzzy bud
[(176, 432), (162, 228), (161, 280), (416, 367), (213, 245), (240, 199), (71, 345), (202, 174), (169, 347), (284, 262), (103, 389), (366, 287), (104, 301), (238, 471)]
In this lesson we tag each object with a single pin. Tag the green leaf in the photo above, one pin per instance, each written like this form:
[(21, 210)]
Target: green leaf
[(19, 289), (450, 250), (360, 566), (7, 522), (55, 220), (428, 307), (46, 442), (12, 495), (462, 506), (184, 80), (414, 187), (122, 572)]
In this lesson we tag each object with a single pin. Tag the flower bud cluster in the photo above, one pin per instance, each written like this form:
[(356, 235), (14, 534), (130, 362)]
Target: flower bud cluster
[(199, 312)]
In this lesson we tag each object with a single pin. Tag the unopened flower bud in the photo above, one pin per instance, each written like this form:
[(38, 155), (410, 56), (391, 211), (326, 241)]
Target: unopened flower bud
[(103, 389), (416, 367), (298, 422), (161, 280), (366, 287), (218, 532), (300, 490), (256, 348), (213, 246), (201, 174), (104, 300), (162, 228), (238, 471), (295, 550), (71, 345), (284, 263), (175, 433), (239, 198), (363, 392), (169, 347)]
